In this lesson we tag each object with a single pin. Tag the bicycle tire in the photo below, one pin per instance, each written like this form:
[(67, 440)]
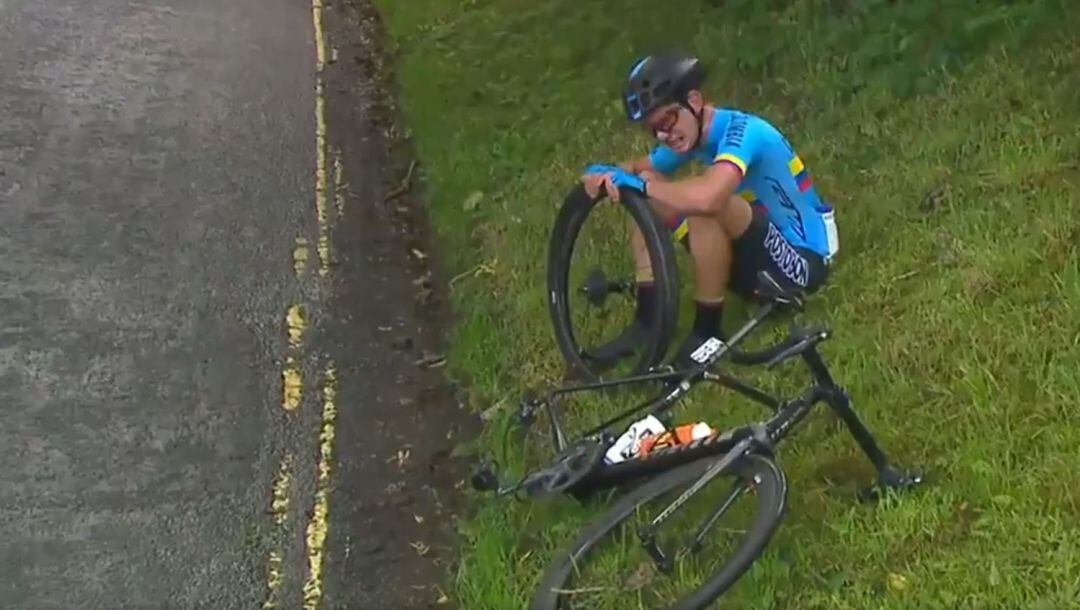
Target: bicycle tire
[(772, 503), (575, 209)]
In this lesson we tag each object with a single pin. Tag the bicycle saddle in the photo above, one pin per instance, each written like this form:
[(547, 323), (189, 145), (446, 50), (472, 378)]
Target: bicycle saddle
[(769, 290)]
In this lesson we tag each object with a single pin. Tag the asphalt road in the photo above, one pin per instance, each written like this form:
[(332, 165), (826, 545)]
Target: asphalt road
[(157, 168)]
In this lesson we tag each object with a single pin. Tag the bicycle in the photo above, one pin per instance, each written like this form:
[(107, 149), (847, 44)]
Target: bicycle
[(745, 453)]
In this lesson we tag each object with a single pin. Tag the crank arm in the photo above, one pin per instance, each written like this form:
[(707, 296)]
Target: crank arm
[(484, 479)]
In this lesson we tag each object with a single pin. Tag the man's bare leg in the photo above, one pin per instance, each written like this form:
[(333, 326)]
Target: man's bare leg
[(637, 333), (642, 264), (711, 247), (711, 239), (643, 272)]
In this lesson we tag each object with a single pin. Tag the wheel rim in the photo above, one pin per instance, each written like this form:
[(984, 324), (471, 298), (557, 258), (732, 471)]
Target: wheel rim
[(568, 274), (603, 551)]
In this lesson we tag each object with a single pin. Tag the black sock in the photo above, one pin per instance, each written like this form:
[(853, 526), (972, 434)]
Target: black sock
[(707, 318), (646, 301)]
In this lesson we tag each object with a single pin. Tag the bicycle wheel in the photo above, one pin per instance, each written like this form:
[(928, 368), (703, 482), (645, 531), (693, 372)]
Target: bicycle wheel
[(561, 586), (591, 361)]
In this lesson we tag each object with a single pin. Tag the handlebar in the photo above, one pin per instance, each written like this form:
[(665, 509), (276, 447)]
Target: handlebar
[(797, 341)]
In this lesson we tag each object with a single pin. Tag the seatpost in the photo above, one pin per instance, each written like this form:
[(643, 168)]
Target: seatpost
[(762, 313)]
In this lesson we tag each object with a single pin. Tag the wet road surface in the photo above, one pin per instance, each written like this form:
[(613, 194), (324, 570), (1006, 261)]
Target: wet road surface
[(209, 320)]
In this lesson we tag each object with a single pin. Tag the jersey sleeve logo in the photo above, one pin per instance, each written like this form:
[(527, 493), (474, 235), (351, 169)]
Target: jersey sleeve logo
[(733, 142), (736, 131)]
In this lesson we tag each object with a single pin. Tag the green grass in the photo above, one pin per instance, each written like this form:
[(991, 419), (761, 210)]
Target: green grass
[(946, 135)]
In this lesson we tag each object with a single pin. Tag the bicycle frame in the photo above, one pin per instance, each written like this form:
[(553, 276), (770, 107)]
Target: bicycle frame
[(759, 436), (685, 378), (763, 436)]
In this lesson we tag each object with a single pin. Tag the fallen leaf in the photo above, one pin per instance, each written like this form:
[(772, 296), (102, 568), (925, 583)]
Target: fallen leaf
[(431, 360), (443, 599), (898, 582), (641, 577), (489, 413), (473, 200), (1002, 499)]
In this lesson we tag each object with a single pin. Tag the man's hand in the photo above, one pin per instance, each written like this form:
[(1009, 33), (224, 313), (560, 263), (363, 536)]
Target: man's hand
[(611, 177), (593, 182)]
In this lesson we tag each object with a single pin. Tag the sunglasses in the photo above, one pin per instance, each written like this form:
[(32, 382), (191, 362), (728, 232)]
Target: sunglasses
[(666, 122)]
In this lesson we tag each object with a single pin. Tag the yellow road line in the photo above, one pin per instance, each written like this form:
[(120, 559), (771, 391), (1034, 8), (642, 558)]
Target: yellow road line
[(320, 181), (295, 321), (339, 181), (279, 506), (293, 384), (318, 525), (280, 503), (300, 255), (320, 137), (320, 39), (291, 374), (292, 378), (273, 579)]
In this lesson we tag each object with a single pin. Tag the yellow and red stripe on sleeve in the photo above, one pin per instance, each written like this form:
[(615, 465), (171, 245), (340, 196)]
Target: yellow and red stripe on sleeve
[(802, 175)]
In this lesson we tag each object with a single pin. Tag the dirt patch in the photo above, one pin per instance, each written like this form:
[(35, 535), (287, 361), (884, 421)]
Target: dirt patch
[(399, 490)]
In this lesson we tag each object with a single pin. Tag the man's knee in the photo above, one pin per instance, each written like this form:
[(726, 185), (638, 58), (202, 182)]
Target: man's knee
[(706, 228), (731, 222), (736, 217)]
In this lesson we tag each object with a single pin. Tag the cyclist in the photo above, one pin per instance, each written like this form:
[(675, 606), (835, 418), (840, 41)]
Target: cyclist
[(753, 207)]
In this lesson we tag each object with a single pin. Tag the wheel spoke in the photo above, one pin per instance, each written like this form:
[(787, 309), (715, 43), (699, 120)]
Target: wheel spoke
[(738, 488), (628, 563)]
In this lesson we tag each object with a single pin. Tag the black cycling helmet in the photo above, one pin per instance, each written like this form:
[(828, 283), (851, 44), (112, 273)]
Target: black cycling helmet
[(660, 79)]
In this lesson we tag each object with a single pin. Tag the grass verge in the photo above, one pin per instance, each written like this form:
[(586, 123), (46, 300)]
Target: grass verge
[(945, 135)]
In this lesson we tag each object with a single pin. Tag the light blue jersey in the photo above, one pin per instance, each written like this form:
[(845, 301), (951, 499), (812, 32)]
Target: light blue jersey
[(773, 175)]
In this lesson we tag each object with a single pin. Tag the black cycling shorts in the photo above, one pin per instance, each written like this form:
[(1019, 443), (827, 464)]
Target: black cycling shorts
[(763, 247)]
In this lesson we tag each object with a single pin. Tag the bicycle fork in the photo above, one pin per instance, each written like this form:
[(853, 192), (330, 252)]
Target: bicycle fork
[(840, 402), (648, 535)]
